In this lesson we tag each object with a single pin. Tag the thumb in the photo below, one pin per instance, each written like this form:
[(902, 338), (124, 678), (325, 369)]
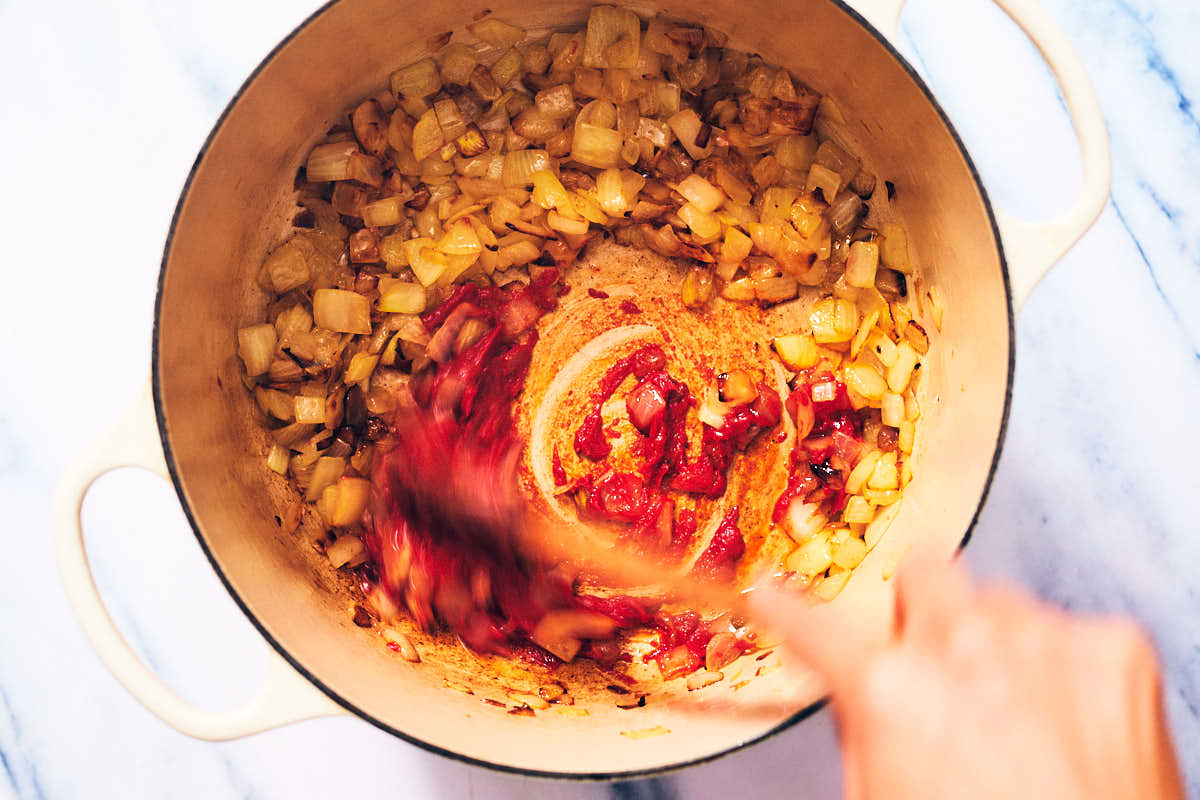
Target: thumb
[(823, 637)]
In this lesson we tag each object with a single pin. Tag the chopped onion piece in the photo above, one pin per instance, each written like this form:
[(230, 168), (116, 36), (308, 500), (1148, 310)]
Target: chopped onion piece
[(458, 62), (416, 80), (277, 459), (460, 239), (557, 102), (353, 494), (388, 211), (519, 166), (341, 311), (256, 346), (893, 250), (505, 71), (564, 224), (330, 162), (687, 126), (797, 351), (705, 226), (309, 410), (496, 33), (833, 320), (596, 146), (347, 549), (796, 152), (845, 212), (701, 194), (427, 136), (613, 37), (360, 368), (825, 179), (403, 298), (287, 268), (326, 472), (862, 263)]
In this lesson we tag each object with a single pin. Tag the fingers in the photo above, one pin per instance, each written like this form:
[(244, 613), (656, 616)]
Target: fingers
[(932, 593), (824, 637)]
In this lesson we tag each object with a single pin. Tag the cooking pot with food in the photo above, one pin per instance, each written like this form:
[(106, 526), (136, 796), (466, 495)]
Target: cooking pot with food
[(195, 426)]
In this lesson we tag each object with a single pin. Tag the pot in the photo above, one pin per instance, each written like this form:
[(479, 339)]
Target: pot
[(195, 429)]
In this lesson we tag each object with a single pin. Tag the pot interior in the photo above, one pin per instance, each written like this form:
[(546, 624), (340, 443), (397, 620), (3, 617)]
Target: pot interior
[(238, 205)]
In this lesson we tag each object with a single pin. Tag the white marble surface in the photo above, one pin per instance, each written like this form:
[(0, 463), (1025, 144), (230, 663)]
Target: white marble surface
[(105, 106)]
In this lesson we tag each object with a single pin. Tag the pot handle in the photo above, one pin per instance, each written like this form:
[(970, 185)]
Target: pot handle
[(285, 696), (1032, 248)]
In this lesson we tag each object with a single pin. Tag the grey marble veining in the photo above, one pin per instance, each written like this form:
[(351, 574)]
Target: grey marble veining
[(104, 107)]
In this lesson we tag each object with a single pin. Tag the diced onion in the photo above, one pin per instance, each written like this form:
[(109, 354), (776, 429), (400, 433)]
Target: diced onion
[(496, 33), (705, 226), (845, 212), (519, 166), (701, 194), (449, 119), (342, 311), (862, 263), (330, 162), (360, 368), (796, 152), (388, 211), (737, 246), (557, 102), (427, 265), (325, 473), (866, 381), (893, 251), (833, 320), (596, 146), (797, 350), (899, 373), (277, 459), (825, 179), (506, 70), (548, 192), (558, 222), (458, 62), (417, 80), (613, 36), (686, 125), (403, 298), (287, 268), (256, 346), (346, 550), (460, 240), (777, 204), (427, 136), (309, 410), (812, 557)]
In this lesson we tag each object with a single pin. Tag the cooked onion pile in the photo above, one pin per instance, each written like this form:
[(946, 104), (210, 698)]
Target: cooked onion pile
[(500, 158)]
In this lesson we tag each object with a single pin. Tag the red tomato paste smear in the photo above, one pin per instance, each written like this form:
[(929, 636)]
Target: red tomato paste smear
[(556, 467), (828, 444), (448, 572), (724, 549), (657, 409), (445, 572), (590, 441), (630, 307)]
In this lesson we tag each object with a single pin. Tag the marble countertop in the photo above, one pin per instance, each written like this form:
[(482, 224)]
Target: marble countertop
[(107, 104)]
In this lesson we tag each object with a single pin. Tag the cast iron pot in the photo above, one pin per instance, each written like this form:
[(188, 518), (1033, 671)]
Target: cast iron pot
[(195, 429)]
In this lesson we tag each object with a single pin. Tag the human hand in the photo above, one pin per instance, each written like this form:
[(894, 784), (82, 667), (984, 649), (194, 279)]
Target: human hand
[(986, 693)]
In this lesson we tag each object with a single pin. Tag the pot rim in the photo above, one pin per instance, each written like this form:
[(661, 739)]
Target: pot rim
[(172, 468)]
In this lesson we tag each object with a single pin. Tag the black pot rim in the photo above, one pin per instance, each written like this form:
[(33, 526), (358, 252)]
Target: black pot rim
[(172, 468)]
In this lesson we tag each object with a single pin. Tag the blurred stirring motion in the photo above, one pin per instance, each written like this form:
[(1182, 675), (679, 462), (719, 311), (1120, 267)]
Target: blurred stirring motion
[(456, 542)]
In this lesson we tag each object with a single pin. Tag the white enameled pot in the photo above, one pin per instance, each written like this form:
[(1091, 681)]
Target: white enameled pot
[(193, 426)]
